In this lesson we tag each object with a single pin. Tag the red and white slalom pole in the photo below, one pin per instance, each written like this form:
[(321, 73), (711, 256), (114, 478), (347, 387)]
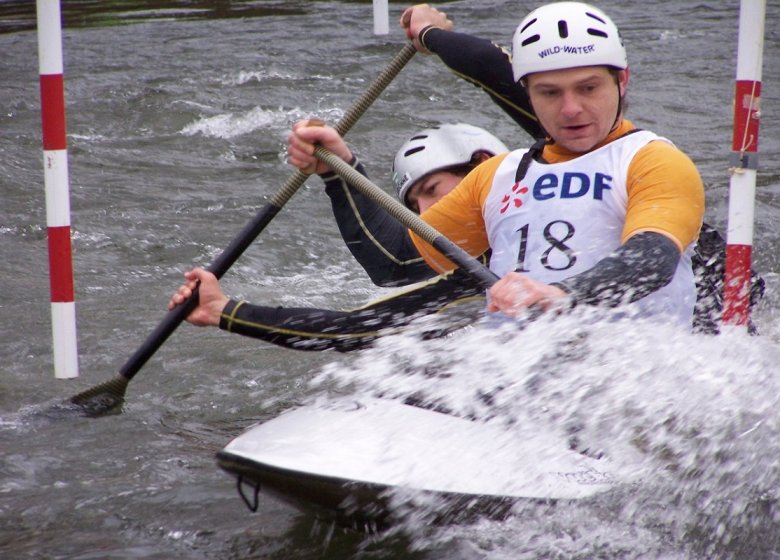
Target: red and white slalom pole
[(381, 17), (55, 173), (744, 163)]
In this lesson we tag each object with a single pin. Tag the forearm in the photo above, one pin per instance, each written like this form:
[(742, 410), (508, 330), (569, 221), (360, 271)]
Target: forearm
[(487, 66), (378, 241), (644, 264), (300, 328), (323, 329)]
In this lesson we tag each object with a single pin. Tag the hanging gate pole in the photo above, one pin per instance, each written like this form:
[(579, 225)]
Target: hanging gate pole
[(744, 163), (55, 174)]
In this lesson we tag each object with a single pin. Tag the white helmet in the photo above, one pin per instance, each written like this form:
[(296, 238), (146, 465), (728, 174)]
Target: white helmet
[(566, 35), (440, 148)]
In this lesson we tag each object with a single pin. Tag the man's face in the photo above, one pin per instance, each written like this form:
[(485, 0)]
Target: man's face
[(430, 189), (577, 106)]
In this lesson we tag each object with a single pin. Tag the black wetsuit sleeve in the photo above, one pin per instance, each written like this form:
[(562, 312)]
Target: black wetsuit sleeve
[(487, 66), (323, 329), (378, 241), (642, 265)]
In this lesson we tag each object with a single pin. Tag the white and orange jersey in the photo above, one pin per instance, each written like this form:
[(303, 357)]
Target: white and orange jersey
[(569, 213)]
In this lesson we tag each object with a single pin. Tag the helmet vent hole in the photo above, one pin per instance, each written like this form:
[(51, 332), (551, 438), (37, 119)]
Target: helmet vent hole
[(563, 29), (527, 25), (594, 16), (413, 151), (419, 137), (597, 32), (529, 40)]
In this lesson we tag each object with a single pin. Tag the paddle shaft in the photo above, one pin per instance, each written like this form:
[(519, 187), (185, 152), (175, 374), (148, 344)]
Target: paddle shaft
[(247, 235), (469, 264)]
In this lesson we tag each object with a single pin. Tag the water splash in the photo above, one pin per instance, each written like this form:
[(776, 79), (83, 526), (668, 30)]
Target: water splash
[(691, 422)]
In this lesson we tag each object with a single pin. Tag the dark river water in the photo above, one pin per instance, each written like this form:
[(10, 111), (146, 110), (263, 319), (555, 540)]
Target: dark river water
[(177, 115)]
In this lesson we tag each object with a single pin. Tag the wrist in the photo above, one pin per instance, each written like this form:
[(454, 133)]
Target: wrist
[(423, 32), (228, 314), (568, 293), (330, 174)]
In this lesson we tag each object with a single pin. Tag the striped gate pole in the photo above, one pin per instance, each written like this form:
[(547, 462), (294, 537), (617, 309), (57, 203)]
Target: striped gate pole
[(744, 163), (55, 174), (381, 17)]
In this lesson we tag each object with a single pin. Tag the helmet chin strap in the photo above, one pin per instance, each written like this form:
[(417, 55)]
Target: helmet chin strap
[(616, 123)]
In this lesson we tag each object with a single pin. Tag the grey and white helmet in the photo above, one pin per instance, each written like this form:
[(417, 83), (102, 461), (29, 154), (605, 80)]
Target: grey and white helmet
[(566, 35), (438, 149)]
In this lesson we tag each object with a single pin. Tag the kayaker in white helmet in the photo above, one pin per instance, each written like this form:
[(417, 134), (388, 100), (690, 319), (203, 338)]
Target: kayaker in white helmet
[(599, 213)]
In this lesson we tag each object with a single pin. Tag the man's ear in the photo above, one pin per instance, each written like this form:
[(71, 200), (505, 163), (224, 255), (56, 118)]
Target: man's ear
[(479, 157), (623, 76)]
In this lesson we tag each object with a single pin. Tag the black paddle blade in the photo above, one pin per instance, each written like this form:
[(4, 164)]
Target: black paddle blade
[(104, 398)]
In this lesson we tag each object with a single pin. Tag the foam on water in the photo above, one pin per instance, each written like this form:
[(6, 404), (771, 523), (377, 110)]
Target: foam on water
[(231, 125), (260, 76)]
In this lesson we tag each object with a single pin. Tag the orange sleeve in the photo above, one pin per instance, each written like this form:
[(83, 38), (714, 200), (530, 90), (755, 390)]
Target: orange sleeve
[(665, 194), (458, 216)]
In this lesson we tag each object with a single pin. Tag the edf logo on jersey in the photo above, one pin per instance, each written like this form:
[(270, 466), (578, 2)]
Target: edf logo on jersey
[(572, 184)]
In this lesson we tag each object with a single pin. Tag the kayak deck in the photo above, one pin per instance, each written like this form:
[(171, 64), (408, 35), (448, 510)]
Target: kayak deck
[(356, 461)]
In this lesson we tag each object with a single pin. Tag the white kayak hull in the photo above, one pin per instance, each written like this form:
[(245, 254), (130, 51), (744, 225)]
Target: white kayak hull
[(347, 459)]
